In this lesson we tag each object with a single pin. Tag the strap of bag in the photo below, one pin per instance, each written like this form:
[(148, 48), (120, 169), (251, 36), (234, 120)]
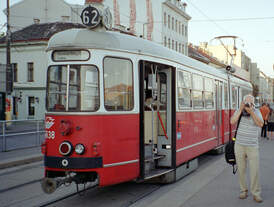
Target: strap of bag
[(235, 168), (238, 125)]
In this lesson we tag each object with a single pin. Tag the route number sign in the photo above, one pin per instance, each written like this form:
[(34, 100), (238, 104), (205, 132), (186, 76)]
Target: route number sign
[(91, 17)]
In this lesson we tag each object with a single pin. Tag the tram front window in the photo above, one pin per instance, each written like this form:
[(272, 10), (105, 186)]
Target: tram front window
[(76, 83)]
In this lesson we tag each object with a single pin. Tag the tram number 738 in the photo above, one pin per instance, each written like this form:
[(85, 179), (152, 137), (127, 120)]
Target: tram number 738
[(50, 134)]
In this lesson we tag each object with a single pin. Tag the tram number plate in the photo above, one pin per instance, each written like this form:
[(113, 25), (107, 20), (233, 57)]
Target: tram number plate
[(50, 134), (90, 17)]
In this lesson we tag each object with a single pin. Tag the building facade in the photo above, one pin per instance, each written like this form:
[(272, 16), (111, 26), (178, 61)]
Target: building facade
[(241, 62), (264, 93), (161, 21), (255, 78), (28, 12), (29, 60)]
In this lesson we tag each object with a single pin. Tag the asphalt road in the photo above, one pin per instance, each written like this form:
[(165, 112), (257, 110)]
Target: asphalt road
[(212, 184)]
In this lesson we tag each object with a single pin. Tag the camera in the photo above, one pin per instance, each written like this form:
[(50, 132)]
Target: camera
[(247, 105), (245, 113)]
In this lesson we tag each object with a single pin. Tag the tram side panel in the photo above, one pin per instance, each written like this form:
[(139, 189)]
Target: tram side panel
[(196, 134), (113, 139)]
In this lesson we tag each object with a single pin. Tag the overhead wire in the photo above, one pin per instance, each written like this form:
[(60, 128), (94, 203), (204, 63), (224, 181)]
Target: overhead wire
[(235, 19), (209, 19)]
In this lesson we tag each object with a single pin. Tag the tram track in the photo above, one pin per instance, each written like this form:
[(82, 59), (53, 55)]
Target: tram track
[(130, 193), (85, 197), (20, 185), (20, 169), (56, 200), (141, 197)]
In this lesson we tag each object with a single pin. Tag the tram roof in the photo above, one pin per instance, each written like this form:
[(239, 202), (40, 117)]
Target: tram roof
[(88, 39)]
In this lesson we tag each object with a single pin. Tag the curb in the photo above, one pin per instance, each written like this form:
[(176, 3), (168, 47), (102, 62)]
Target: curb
[(17, 162)]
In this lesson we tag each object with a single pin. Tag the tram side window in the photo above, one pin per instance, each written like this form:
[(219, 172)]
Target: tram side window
[(225, 96), (184, 89), (198, 87), (118, 84), (234, 97), (209, 89)]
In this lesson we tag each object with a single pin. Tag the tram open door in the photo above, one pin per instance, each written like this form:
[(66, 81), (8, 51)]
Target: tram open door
[(157, 120)]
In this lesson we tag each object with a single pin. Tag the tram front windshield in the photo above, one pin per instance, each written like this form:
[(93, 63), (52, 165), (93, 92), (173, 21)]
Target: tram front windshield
[(72, 88)]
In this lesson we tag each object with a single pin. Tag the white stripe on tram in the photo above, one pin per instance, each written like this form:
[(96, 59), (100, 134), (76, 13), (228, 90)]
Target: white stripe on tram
[(120, 163), (193, 145)]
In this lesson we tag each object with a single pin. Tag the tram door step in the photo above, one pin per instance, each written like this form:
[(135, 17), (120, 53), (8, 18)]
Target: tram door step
[(156, 173), (155, 157), (151, 162)]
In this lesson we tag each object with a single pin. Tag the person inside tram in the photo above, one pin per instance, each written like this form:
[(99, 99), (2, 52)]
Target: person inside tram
[(246, 146), (148, 99)]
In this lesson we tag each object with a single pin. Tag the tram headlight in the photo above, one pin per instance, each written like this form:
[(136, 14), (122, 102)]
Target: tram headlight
[(79, 149), (65, 148)]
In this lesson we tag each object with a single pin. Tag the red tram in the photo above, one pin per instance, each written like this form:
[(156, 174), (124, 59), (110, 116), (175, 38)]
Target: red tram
[(122, 108)]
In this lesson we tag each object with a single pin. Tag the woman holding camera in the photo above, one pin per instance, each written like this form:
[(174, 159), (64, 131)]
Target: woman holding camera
[(246, 146)]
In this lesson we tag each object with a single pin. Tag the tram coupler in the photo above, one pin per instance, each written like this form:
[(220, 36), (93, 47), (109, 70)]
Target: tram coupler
[(49, 185)]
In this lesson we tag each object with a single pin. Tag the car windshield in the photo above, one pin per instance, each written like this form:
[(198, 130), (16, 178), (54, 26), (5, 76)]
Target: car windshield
[(72, 88)]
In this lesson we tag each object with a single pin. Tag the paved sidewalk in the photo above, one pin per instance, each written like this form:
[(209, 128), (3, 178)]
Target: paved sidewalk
[(20, 157), (214, 185)]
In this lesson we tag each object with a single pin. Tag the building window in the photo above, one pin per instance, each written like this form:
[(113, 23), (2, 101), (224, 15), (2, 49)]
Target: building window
[(15, 72), (176, 46), (168, 23), (165, 19), (30, 72), (15, 105), (179, 24), (165, 41), (179, 47), (186, 52), (31, 106), (185, 30), (183, 48), (172, 23), (169, 43), (176, 25), (172, 44)]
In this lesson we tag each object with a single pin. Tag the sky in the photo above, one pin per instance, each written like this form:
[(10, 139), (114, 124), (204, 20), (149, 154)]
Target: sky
[(252, 21)]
